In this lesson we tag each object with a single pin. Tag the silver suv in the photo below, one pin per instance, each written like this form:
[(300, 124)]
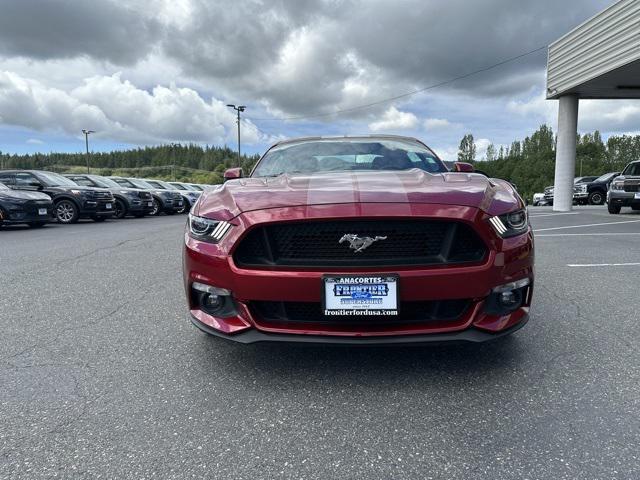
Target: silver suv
[(625, 189)]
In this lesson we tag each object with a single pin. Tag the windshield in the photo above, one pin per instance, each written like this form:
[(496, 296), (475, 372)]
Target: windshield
[(54, 180), (178, 186), (104, 182), (347, 154), (141, 184), (197, 188), (160, 184), (606, 177), (632, 169)]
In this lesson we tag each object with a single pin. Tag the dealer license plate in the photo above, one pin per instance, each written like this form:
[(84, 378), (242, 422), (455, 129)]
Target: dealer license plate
[(108, 206), (42, 211), (360, 295), (637, 196)]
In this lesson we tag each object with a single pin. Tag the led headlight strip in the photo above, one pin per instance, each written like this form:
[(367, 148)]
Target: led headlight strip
[(498, 225)]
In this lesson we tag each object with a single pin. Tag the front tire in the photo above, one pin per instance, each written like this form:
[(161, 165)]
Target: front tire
[(67, 212), (155, 211), (186, 206), (596, 198), (613, 209), (120, 210)]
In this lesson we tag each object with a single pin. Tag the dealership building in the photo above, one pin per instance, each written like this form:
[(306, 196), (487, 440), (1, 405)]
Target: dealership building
[(599, 59)]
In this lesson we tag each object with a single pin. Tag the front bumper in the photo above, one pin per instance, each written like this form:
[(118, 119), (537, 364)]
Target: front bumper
[(622, 198), (507, 260), (465, 336), (26, 213), (97, 208)]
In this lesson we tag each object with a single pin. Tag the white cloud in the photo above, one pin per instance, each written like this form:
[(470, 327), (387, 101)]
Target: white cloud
[(35, 141), (118, 110), (394, 120), (481, 147), (436, 123)]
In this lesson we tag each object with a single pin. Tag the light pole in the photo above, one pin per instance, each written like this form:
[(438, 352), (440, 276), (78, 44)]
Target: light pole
[(86, 142), (238, 109)]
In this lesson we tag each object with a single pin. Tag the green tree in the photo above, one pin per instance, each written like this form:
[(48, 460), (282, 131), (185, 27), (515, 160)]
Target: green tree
[(467, 149)]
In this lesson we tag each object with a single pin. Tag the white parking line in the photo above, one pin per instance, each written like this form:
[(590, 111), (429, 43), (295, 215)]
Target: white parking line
[(586, 234), (603, 264), (583, 226), (552, 214)]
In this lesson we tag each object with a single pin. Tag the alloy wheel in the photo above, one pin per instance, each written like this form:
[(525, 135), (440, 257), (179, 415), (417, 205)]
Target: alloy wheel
[(65, 211)]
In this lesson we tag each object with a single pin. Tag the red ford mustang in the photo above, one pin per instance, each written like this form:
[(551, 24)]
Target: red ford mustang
[(358, 240)]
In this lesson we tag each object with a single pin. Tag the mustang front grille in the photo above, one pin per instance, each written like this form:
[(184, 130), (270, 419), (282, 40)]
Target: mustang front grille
[(311, 312), (349, 243)]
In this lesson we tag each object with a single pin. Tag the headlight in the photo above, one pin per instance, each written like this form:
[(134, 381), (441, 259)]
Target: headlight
[(510, 224), (76, 192), (582, 189), (206, 229), (617, 185)]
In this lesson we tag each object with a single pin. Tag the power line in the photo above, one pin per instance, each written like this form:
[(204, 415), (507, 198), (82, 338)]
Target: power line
[(404, 95)]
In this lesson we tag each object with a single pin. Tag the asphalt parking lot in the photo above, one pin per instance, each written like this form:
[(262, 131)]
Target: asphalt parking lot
[(102, 374)]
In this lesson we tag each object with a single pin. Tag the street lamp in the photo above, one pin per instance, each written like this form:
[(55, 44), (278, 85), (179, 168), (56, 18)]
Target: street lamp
[(86, 142), (238, 109)]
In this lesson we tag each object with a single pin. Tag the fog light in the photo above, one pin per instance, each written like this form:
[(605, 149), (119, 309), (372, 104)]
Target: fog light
[(213, 300), (506, 298)]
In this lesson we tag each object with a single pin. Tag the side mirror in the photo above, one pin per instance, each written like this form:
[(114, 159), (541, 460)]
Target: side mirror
[(463, 167), (231, 173)]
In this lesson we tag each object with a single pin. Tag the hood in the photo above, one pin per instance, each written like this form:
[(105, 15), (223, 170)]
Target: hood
[(408, 186), (24, 195)]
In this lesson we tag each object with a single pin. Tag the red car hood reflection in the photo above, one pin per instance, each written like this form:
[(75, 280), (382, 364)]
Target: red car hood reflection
[(408, 186)]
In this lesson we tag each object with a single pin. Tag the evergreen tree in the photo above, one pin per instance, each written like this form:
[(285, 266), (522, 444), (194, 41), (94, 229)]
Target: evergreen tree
[(467, 149)]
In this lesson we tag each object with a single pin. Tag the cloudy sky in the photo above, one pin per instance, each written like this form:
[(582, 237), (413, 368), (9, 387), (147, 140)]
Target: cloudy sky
[(144, 72)]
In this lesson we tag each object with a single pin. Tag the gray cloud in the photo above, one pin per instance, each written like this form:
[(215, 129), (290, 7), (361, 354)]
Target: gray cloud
[(102, 30)]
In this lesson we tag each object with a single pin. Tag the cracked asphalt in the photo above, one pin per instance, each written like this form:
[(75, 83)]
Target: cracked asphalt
[(103, 376)]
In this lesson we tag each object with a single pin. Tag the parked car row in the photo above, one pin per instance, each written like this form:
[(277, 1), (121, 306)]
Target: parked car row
[(616, 189), (36, 197)]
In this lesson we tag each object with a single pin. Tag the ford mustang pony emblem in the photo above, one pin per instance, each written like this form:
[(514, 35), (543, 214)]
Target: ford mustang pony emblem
[(359, 243)]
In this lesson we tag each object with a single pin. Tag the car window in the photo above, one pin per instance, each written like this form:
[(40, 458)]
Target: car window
[(7, 178), (178, 186), (25, 180), (155, 184)]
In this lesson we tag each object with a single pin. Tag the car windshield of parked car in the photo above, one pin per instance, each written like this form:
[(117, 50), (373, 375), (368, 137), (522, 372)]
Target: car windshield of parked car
[(178, 186), (160, 185), (346, 155), (54, 180), (632, 169), (104, 182), (142, 184), (606, 177)]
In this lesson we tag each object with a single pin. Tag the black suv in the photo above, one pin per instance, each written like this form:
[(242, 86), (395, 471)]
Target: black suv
[(71, 201), (129, 201), (597, 190), (167, 201), (33, 208)]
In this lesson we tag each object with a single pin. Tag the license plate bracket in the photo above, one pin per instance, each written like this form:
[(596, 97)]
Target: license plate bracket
[(360, 295)]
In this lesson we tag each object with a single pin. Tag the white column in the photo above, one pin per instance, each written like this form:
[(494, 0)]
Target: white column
[(565, 153)]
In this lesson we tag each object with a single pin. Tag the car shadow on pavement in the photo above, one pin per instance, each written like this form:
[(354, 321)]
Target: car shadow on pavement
[(347, 363)]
